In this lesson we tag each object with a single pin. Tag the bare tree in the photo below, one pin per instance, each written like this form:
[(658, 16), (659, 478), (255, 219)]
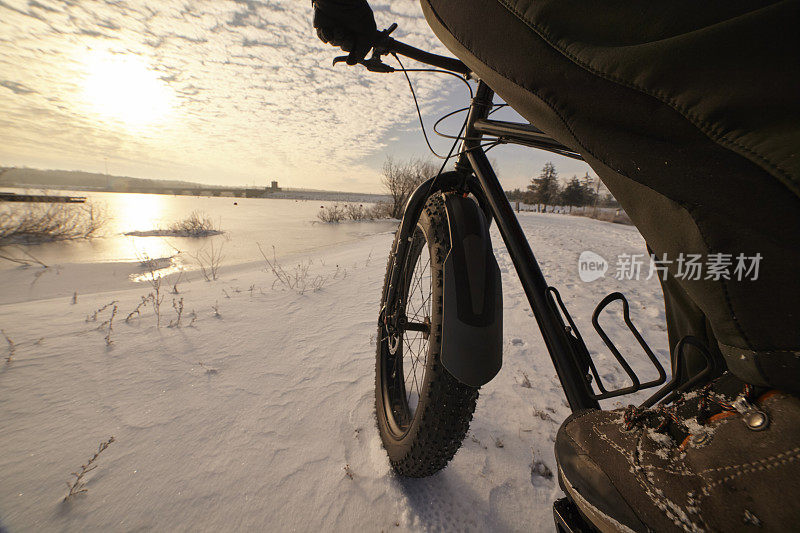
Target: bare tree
[(401, 178)]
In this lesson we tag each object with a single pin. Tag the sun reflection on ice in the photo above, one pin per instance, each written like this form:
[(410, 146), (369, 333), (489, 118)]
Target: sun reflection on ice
[(157, 268), (140, 211), (143, 212)]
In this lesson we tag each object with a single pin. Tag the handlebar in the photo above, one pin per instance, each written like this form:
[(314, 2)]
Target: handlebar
[(443, 62), (386, 45)]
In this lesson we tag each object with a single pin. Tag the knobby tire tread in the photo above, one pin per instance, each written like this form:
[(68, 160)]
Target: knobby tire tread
[(446, 405)]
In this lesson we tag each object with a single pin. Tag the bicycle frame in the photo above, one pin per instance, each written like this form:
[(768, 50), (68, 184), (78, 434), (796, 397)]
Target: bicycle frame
[(554, 331), (485, 186), (474, 175)]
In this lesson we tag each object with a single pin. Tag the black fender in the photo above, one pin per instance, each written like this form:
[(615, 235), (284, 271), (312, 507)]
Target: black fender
[(472, 317)]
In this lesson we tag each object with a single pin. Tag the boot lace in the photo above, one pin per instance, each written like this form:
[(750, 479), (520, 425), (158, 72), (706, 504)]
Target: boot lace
[(709, 403)]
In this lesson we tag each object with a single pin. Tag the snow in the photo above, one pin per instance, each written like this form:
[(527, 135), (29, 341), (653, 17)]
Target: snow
[(262, 418)]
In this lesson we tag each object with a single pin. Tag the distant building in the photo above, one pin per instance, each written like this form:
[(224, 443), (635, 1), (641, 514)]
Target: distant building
[(253, 192)]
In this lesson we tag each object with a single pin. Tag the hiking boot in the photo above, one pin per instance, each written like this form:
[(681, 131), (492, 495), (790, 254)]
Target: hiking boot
[(725, 457)]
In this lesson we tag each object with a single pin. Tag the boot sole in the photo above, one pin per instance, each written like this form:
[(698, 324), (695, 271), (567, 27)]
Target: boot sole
[(600, 520)]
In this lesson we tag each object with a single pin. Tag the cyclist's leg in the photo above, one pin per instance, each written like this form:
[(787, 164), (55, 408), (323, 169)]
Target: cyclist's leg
[(688, 191), (700, 172), (686, 319)]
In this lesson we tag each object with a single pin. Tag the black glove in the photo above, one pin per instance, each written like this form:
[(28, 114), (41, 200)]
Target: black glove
[(348, 24)]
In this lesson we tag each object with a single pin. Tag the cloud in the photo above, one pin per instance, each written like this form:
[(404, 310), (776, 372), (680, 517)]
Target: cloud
[(255, 94), (16, 88)]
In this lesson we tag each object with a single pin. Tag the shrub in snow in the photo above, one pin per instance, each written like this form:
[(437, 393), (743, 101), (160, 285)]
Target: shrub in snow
[(35, 223)]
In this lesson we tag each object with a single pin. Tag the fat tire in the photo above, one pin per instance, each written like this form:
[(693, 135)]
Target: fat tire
[(445, 407)]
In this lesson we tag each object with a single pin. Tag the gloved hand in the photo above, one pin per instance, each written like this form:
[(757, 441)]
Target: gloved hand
[(348, 24)]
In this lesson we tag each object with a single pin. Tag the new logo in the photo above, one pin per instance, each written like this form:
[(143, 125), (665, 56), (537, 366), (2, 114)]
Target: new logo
[(591, 266)]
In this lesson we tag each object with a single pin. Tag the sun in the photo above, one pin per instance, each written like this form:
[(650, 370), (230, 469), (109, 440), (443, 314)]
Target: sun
[(122, 87)]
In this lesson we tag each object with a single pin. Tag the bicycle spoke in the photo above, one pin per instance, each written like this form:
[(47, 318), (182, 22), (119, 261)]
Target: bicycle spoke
[(419, 285), (414, 358), (414, 337), (415, 381)]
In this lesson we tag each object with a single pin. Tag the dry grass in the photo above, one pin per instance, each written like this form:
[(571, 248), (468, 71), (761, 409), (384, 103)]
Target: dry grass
[(336, 213), (156, 295), (11, 346), (177, 305), (297, 279), (78, 486), (24, 223), (209, 261), (108, 325), (197, 224), (93, 316), (175, 284), (331, 214), (138, 311)]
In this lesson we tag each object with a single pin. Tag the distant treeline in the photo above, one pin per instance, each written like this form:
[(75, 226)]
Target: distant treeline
[(31, 177), (547, 189)]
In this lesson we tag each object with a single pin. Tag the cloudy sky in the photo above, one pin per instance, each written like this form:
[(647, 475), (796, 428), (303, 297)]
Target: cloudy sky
[(237, 92)]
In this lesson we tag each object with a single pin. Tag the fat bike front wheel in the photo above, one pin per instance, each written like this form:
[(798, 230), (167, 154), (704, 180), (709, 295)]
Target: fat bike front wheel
[(423, 412)]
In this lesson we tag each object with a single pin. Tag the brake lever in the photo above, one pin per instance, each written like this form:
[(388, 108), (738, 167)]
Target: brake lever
[(374, 63)]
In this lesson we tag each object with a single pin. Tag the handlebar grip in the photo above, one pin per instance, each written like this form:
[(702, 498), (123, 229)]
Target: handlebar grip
[(447, 63)]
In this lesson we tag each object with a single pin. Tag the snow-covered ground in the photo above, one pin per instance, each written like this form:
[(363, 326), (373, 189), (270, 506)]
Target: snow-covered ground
[(261, 417)]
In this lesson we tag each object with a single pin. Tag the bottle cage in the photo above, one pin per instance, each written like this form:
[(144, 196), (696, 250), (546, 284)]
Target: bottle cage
[(665, 394), (586, 362)]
